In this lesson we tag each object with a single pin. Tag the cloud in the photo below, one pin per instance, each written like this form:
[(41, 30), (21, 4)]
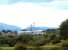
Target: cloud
[(24, 14), (57, 4), (16, 1), (8, 1), (49, 14)]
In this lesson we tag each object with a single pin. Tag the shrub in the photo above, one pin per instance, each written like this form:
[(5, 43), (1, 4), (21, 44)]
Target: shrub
[(65, 44), (20, 47), (65, 48), (38, 48), (55, 48), (56, 41)]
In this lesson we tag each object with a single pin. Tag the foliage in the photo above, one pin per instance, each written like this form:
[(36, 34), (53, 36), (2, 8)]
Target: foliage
[(56, 40), (11, 40), (7, 40), (28, 39), (20, 47), (52, 37), (38, 48), (39, 40), (55, 48), (65, 44), (64, 29), (24, 38)]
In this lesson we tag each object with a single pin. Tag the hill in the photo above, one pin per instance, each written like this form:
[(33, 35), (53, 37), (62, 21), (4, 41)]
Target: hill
[(9, 27)]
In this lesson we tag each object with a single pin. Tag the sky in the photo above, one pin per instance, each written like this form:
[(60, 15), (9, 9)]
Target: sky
[(23, 13)]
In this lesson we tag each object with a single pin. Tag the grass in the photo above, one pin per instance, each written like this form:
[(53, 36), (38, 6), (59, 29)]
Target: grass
[(7, 48), (30, 48), (45, 47)]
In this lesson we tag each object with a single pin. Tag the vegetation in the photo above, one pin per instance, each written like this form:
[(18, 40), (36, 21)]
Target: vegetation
[(52, 39), (65, 43), (20, 47), (64, 29)]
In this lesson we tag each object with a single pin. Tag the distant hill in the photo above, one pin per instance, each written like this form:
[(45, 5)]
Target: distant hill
[(15, 28), (9, 27)]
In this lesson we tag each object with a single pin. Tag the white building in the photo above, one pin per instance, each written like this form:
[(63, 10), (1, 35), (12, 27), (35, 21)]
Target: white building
[(32, 32)]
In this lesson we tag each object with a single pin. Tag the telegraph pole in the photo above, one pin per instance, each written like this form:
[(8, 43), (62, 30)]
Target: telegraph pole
[(32, 25)]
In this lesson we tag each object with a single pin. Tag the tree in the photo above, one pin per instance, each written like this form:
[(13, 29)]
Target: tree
[(4, 31), (64, 29), (9, 31)]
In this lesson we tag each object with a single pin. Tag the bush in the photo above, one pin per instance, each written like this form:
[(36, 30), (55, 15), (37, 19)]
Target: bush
[(56, 41), (38, 48), (55, 48), (65, 48), (20, 47), (65, 44)]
